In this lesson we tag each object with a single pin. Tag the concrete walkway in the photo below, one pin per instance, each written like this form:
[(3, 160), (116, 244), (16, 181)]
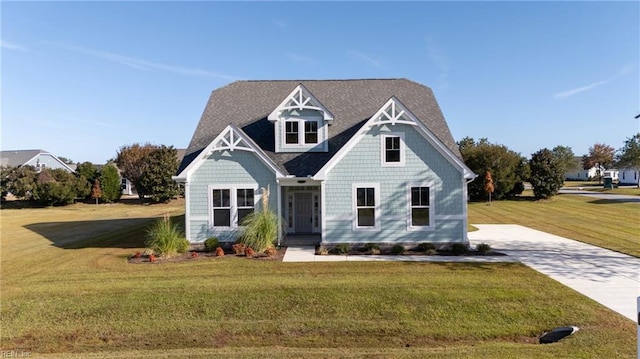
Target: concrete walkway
[(608, 277)]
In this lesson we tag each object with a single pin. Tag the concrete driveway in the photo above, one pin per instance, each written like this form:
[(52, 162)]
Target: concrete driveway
[(608, 277)]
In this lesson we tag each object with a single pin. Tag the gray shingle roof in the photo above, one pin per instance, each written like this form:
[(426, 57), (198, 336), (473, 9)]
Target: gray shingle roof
[(352, 102), (17, 158)]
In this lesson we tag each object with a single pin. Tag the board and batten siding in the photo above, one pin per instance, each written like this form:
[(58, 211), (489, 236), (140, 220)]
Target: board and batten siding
[(225, 169), (423, 163)]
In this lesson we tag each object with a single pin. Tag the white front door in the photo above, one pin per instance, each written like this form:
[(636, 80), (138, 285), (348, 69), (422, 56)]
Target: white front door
[(303, 213)]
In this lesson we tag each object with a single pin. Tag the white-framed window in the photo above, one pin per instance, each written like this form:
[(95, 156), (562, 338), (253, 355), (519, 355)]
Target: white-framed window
[(420, 202), (246, 203), (231, 204), (291, 136), (301, 131), (366, 206), (392, 149)]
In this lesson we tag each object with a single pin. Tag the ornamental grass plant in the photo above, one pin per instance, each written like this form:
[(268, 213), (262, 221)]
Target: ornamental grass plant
[(165, 238)]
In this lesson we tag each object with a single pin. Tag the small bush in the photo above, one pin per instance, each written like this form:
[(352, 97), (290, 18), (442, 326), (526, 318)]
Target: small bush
[(270, 252), (211, 244), (249, 252), (322, 251), (374, 251), (342, 248), (219, 252), (371, 246), (137, 255), (397, 249), (431, 252), (152, 258), (194, 254), (238, 249), (483, 248), (459, 249), (423, 247), (165, 239)]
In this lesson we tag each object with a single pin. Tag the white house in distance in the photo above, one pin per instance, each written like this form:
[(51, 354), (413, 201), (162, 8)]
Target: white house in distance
[(629, 176), (40, 159), (345, 161)]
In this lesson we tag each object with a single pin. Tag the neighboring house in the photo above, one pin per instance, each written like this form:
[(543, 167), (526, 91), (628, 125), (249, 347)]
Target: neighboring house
[(629, 176), (127, 186), (39, 159), (344, 161), (582, 174), (611, 173)]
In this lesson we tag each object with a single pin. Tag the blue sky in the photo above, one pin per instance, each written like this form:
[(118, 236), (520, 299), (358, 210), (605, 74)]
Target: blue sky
[(81, 79)]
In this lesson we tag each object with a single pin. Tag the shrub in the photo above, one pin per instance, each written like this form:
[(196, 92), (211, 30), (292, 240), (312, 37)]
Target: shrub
[(194, 254), (137, 255), (165, 239), (260, 227), (374, 251), (483, 248), (152, 258), (211, 244), (249, 252), (424, 247), (459, 249), (238, 248), (322, 251), (547, 174), (431, 252), (219, 252), (270, 252), (110, 183), (342, 248), (397, 249), (371, 246)]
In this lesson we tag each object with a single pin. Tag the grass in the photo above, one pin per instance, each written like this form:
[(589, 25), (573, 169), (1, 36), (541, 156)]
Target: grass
[(598, 187), (67, 291), (604, 223)]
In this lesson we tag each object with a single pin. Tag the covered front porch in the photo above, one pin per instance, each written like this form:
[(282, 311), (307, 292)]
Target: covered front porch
[(301, 210)]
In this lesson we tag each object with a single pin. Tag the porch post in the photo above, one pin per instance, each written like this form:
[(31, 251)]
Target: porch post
[(279, 194)]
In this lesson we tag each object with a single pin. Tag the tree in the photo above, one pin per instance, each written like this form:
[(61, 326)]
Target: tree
[(22, 181), (65, 160), (547, 174), (55, 187), (96, 192), (156, 179), (566, 157), (132, 161), (110, 183), (88, 170), (600, 155), (508, 169), (629, 155), (488, 185)]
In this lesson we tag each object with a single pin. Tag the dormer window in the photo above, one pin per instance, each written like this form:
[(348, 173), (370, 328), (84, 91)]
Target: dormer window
[(301, 131), (301, 123)]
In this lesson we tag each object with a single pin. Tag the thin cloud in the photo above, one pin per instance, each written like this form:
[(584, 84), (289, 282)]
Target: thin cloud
[(278, 23), (11, 46), (571, 92), (145, 65), (299, 58), (357, 55), (575, 91)]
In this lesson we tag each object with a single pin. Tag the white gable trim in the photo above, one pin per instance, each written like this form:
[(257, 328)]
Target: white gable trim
[(394, 112), (301, 99), (230, 139)]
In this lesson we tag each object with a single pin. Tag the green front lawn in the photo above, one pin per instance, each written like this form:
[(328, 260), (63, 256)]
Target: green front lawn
[(68, 291), (604, 223)]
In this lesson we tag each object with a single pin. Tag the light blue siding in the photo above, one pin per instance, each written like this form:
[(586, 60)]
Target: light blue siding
[(47, 160), (423, 163), (225, 168)]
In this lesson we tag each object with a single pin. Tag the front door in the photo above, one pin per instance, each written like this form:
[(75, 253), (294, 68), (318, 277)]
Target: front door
[(303, 213)]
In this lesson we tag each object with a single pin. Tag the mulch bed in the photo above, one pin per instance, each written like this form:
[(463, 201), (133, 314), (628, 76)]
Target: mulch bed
[(205, 256)]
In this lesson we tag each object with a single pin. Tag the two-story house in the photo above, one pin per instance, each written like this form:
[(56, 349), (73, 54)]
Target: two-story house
[(344, 161)]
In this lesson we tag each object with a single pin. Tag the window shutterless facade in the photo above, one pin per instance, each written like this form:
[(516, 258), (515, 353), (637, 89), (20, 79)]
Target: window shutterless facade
[(230, 205), (420, 207), (392, 149), (301, 131), (291, 132), (366, 206)]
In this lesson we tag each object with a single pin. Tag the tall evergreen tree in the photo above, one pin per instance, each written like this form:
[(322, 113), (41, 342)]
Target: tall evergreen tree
[(156, 179), (547, 174), (110, 183)]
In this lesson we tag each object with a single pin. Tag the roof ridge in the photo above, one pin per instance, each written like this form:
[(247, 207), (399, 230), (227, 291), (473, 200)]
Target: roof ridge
[(334, 80)]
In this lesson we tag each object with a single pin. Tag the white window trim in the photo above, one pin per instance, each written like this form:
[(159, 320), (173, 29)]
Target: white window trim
[(431, 226), (301, 132), (383, 141), (233, 201), (376, 211)]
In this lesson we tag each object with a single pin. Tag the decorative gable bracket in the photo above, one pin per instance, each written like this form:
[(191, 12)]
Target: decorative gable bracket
[(230, 140), (393, 112), (300, 99)]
